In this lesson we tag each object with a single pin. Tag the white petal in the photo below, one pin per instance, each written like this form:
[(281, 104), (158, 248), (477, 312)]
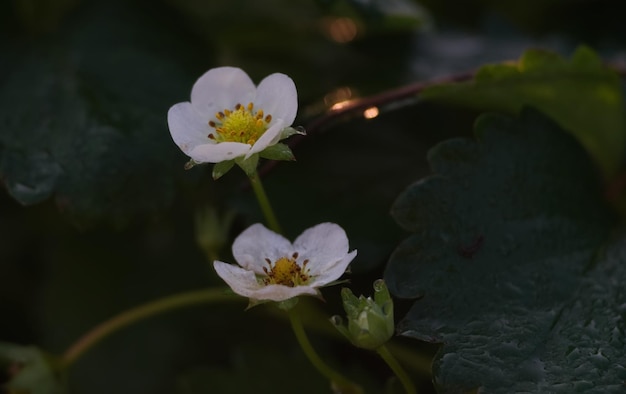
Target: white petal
[(277, 96), (281, 293), (187, 127), (269, 138), (332, 271), (221, 88), (215, 153), (242, 282), (323, 244), (256, 243)]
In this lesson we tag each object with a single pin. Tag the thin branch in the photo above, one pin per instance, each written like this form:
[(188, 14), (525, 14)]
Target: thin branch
[(357, 106)]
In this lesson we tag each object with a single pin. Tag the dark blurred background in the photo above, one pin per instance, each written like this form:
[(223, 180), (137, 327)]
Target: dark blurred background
[(97, 214)]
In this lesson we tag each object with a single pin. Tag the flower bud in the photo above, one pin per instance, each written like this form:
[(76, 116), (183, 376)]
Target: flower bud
[(212, 229), (370, 321)]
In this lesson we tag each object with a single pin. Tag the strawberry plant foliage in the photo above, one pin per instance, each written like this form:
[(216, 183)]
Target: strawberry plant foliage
[(581, 94), (82, 114), (507, 266)]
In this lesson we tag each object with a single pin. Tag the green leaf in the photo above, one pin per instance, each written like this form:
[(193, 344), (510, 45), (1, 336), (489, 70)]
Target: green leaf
[(83, 113), (505, 230), (580, 94), (30, 371)]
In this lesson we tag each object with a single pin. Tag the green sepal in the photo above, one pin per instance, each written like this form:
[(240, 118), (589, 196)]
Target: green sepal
[(254, 302), (351, 303), (278, 151), (337, 321), (383, 298), (288, 304), (285, 305), (248, 165), (221, 168), (191, 164), (289, 131)]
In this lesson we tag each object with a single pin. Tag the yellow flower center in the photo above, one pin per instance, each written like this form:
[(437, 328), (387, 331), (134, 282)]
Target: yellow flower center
[(242, 124), (286, 271)]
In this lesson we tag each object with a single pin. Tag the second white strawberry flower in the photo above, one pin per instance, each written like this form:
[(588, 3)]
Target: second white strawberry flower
[(273, 269)]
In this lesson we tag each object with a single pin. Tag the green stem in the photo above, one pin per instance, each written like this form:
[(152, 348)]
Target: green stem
[(124, 319), (264, 202), (386, 355), (341, 383)]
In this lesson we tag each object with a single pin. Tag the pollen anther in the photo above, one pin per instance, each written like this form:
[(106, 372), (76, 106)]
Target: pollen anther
[(286, 271), (240, 124)]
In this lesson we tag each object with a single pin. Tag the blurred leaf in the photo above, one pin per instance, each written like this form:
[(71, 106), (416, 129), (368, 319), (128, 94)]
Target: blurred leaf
[(385, 14), (581, 94), (505, 231), (29, 371), (83, 113)]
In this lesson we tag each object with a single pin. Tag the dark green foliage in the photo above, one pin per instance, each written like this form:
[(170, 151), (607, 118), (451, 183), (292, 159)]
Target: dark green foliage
[(505, 259), (581, 94), (83, 115)]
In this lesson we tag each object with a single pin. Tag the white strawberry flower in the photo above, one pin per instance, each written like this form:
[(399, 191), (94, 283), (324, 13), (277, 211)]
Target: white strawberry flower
[(229, 118), (273, 269)]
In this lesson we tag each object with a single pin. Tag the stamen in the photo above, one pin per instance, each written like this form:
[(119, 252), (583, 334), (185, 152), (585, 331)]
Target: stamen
[(239, 124), (211, 136), (286, 271)]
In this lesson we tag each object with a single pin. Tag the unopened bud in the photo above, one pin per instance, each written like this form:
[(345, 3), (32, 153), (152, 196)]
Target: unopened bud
[(370, 321)]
